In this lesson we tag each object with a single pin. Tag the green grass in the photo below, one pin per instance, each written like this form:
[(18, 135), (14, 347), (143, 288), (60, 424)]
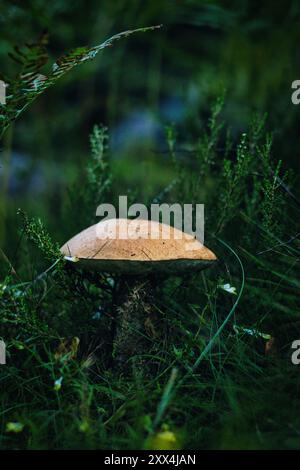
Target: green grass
[(212, 384)]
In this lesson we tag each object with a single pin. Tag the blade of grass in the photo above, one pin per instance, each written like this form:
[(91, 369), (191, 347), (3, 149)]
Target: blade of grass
[(220, 329)]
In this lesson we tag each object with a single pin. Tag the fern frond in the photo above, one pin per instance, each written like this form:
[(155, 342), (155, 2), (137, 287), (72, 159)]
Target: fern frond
[(29, 83)]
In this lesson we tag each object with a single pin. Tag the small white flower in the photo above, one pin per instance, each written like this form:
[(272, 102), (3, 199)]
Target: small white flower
[(57, 384), (251, 332), (228, 288)]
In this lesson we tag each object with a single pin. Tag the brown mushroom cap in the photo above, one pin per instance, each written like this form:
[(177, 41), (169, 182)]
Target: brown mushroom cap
[(101, 248)]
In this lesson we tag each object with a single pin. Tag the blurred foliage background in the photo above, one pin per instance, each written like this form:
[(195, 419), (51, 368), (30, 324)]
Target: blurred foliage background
[(157, 93), (144, 83)]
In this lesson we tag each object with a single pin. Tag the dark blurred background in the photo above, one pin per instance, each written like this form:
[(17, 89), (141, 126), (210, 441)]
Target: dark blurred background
[(139, 86)]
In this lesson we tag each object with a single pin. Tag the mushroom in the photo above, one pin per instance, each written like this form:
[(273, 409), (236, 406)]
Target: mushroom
[(138, 251)]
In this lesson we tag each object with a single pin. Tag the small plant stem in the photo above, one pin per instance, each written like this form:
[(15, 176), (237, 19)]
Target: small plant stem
[(134, 315)]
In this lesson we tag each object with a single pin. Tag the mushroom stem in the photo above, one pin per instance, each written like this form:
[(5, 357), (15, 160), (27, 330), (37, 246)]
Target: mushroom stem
[(135, 321)]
